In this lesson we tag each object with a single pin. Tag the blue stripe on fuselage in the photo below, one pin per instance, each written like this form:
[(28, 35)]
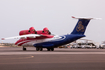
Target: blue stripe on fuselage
[(62, 41)]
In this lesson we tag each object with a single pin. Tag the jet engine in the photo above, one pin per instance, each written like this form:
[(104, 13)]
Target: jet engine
[(30, 31), (46, 31)]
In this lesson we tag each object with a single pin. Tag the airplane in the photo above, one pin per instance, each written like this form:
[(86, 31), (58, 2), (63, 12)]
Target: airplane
[(44, 39)]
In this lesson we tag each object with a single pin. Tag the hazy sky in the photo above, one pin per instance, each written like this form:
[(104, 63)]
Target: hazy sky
[(16, 15)]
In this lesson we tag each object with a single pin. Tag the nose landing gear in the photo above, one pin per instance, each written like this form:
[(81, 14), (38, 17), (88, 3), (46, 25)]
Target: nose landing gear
[(24, 49)]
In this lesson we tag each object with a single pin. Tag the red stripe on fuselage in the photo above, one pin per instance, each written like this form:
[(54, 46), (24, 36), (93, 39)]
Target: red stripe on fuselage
[(23, 41)]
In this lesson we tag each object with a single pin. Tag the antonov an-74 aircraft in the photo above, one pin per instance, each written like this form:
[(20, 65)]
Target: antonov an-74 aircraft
[(44, 39)]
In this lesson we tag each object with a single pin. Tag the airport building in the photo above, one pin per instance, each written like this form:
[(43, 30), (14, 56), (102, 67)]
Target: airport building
[(82, 43)]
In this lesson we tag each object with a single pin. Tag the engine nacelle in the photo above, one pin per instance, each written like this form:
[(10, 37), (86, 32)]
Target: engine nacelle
[(24, 32), (30, 31), (44, 31), (33, 31)]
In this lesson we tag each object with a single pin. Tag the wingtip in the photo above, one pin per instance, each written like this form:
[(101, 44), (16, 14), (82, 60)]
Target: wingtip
[(85, 18), (72, 16), (2, 38)]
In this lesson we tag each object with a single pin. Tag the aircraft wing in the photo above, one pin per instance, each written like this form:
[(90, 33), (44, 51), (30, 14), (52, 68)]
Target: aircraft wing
[(23, 36)]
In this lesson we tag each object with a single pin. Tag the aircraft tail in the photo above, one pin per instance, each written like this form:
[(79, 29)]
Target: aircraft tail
[(81, 25)]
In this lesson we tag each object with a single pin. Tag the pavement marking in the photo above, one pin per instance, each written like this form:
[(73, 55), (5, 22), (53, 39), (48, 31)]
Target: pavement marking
[(32, 56), (25, 53)]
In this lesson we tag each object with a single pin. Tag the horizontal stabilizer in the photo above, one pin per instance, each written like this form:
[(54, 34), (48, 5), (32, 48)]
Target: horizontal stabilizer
[(84, 18)]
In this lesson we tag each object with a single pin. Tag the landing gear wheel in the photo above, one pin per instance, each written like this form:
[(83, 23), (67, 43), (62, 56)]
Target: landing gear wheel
[(52, 49), (24, 49), (48, 49), (41, 49), (37, 49)]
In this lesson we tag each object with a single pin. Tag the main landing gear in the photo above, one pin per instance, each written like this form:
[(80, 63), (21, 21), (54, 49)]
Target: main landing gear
[(50, 49), (39, 49)]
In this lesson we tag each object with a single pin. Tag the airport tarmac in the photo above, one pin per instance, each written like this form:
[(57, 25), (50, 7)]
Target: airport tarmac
[(13, 58)]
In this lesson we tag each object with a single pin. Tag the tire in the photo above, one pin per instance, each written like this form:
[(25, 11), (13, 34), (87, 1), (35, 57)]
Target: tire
[(52, 49), (24, 49), (41, 49), (48, 49), (37, 49)]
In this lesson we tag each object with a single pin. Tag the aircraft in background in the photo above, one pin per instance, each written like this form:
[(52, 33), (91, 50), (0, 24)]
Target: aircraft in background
[(44, 39)]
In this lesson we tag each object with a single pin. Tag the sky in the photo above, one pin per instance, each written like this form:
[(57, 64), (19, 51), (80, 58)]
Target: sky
[(17, 15)]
